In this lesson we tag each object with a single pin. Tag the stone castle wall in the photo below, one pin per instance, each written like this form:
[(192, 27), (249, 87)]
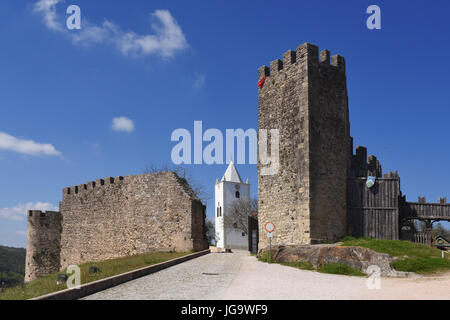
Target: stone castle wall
[(330, 146), (43, 244), (306, 100), (116, 217), (124, 216)]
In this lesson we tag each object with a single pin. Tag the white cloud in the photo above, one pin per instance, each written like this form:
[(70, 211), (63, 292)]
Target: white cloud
[(19, 212), (199, 80), (29, 147), (123, 124), (21, 233), (47, 9), (167, 37)]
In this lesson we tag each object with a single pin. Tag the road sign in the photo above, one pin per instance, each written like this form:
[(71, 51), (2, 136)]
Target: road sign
[(269, 234), (270, 227)]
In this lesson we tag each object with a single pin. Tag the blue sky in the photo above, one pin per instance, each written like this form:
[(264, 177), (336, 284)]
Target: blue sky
[(62, 89)]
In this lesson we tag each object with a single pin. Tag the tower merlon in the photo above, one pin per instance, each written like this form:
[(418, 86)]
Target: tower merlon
[(74, 189), (338, 61), (325, 56), (276, 66), (307, 52), (289, 58), (361, 155), (263, 71)]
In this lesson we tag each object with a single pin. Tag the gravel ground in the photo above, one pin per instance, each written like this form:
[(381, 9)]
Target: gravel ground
[(258, 281), (241, 276), (196, 279)]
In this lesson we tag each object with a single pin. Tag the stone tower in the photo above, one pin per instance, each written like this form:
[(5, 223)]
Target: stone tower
[(43, 244), (304, 96), (230, 191)]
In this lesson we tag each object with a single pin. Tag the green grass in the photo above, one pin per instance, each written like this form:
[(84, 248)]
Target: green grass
[(413, 257), (341, 268), (264, 257), (422, 265), (304, 265), (107, 268), (299, 265)]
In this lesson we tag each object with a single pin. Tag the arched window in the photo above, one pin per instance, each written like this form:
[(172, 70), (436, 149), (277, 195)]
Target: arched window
[(238, 194), (218, 209)]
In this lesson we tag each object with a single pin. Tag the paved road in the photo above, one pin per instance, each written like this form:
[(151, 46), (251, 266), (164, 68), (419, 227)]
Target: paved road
[(203, 278), (241, 276)]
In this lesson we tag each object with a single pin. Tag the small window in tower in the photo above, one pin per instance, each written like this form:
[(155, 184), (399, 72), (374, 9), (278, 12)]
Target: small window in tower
[(238, 194), (235, 225), (218, 210)]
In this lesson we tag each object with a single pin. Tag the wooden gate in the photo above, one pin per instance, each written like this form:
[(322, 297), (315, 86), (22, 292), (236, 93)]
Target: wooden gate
[(253, 235)]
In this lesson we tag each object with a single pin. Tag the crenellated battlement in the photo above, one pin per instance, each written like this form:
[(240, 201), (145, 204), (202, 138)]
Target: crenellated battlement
[(305, 53), (363, 166), (391, 175), (423, 200), (91, 185), (42, 214)]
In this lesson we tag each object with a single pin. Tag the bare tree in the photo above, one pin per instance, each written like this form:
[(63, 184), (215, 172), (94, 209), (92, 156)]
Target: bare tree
[(238, 213), (197, 187)]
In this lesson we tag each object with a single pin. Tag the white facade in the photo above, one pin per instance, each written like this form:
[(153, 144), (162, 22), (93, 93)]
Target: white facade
[(227, 191)]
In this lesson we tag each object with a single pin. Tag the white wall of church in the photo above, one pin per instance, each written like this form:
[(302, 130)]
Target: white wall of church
[(225, 195)]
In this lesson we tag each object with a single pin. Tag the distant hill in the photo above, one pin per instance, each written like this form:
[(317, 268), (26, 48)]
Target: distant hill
[(12, 266)]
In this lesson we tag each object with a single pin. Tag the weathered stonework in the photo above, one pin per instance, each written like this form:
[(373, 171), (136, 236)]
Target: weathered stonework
[(322, 254), (306, 100), (123, 216), (43, 244)]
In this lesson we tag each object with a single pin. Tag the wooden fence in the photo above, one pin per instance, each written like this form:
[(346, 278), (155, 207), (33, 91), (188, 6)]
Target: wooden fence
[(420, 237), (374, 212)]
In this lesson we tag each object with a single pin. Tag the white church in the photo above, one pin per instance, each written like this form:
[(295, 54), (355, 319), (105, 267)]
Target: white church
[(228, 191)]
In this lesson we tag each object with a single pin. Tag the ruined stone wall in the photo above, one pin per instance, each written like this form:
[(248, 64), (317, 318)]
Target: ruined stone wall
[(43, 244), (124, 216), (306, 100)]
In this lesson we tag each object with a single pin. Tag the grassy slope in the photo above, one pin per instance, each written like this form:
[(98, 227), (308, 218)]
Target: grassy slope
[(413, 257), (107, 268), (12, 266)]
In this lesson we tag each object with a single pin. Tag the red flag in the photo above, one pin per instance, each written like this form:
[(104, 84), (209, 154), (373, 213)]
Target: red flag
[(261, 82)]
